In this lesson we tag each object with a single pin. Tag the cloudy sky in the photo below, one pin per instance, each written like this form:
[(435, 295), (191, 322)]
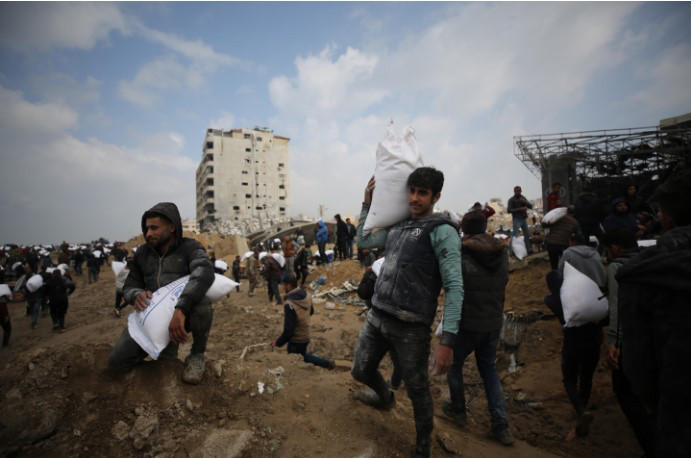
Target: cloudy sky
[(103, 106)]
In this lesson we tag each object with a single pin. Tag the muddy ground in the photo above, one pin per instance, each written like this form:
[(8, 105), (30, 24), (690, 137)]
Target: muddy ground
[(57, 399)]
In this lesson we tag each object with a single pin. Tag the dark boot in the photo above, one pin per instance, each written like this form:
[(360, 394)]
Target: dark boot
[(423, 444), (372, 399)]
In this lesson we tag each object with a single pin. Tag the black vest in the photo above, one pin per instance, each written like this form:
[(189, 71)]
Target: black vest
[(410, 282), (484, 285)]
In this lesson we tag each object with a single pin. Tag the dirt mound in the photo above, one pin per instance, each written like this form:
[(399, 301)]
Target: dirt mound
[(58, 399)]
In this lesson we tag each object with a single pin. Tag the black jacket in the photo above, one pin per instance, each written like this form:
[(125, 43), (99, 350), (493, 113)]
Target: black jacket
[(655, 317), (485, 275), (58, 289), (149, 271)]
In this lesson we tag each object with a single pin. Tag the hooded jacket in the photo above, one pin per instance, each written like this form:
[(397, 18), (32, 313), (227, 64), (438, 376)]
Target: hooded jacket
[(616, 220), (655, 317), (587, 261), (298, 310), (614, 328), (560, 232), (322, 234), (150, 271), (485, 266)]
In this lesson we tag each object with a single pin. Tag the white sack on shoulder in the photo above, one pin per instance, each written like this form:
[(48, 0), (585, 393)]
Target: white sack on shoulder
[(580, 299), (554, 215), (5, 291), (280, 259), (518, 247), (219, 264), (262, 255), (397, 157), (247, 255), (117, 267), (150, 327), (34, 283), (376, 266)]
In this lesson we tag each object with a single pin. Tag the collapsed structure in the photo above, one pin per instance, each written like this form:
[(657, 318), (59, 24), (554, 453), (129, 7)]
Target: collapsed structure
[(243, 180), (606, 161)]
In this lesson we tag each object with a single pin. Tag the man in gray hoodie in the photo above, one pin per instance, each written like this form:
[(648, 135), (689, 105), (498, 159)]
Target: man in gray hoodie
[(166, 257), (581, 345)]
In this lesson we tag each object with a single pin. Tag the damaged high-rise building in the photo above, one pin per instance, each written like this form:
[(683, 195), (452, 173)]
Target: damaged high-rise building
[(243, 175)]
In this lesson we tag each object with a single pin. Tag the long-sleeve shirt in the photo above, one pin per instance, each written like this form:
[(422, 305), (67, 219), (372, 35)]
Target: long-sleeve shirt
[(515, 205), (447, 249)]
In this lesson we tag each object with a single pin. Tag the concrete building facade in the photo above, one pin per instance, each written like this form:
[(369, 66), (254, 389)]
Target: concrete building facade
[(243, 174)]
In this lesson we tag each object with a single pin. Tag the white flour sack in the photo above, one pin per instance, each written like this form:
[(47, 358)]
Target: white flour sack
[(554, 215), (117, 267), (150, 327), (580, 299), (34, 283), (280, 259), (397, 157), (518, 247), (5, 291)]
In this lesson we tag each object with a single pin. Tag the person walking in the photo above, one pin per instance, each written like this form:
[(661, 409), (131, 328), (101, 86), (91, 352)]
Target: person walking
[(341, 238), (236, 272), (322, 236), (252, 268)]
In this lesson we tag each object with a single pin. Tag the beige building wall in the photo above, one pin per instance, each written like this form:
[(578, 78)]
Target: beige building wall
[(243, 174)]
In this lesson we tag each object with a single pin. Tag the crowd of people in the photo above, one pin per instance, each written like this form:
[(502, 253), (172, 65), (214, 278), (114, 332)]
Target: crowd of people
[(648, 343)]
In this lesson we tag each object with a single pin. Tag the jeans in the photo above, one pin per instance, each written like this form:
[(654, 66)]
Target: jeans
[(78, 268), (273, 290), (93, 276), (411, 343), (127, 353), (555, 252), (484, 344), (35, 309), (579, 357), (349, 248), (520, 223), (301, 348)]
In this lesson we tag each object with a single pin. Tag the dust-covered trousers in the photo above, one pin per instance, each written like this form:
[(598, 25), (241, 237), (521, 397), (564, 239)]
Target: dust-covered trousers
[(411, 343), (127, 353)]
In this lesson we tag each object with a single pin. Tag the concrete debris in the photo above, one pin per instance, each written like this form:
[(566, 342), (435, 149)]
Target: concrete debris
[(120, 430)]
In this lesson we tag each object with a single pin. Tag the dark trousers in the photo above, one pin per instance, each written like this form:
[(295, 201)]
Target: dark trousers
[(118, 299), (301, 348), (301, 275), (57, 313), (34, 309), (341, 248), (484, 344), (78, 268), (641, 421), (322, 252), (411, 343), (236, 277), (579, 357), (127, 353), (7, 331), (555, 252), (273, 290), (553, 301)]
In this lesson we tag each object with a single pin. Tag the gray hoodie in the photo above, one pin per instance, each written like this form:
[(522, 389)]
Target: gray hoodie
[(587, 261)]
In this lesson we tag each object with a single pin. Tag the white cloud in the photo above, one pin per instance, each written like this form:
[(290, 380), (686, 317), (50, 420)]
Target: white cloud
[(29, 26), (327, 86), (196, 50), (55, 183), (225, 121)]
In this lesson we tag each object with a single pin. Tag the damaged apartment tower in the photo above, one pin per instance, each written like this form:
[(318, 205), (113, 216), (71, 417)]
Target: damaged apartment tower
[(243, 176)]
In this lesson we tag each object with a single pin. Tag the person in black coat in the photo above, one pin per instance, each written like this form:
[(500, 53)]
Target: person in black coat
[(58, 288)]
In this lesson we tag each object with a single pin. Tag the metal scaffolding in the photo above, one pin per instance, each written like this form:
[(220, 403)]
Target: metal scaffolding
[(602, 154)]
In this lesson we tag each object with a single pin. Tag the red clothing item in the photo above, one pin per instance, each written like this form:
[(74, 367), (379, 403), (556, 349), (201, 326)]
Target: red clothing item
[(488, 211), (553, 201)]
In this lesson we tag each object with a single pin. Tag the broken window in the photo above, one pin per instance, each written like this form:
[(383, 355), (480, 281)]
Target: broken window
[(209, 145), (247, 136)]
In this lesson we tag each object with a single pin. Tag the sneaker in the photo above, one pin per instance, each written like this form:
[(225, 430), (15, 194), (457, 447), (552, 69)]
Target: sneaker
[(194, 369), (583, 425), (372, 399), (117, 312), (460, 418), (62, 330), (503, 436), (56, 327)]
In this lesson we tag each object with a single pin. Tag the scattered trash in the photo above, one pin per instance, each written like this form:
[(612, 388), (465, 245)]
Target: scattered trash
[(260, 387), (277, 371)]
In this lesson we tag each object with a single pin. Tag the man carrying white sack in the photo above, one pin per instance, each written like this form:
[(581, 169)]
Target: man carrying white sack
[(166, 257), (422, 256)]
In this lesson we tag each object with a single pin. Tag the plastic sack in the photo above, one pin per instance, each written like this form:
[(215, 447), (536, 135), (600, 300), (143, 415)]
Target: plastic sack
[(63, 267), (34, 283), (501, 236), (247, 255), (647, 243), (280, 259), (15, 265), (554, 215), (262, 255), (117, 267), (97, 254), (581, 299), (518, 247), (219, 264), (397, 157), (5, 292), (150, 327), (50, 270), (377, 265)]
